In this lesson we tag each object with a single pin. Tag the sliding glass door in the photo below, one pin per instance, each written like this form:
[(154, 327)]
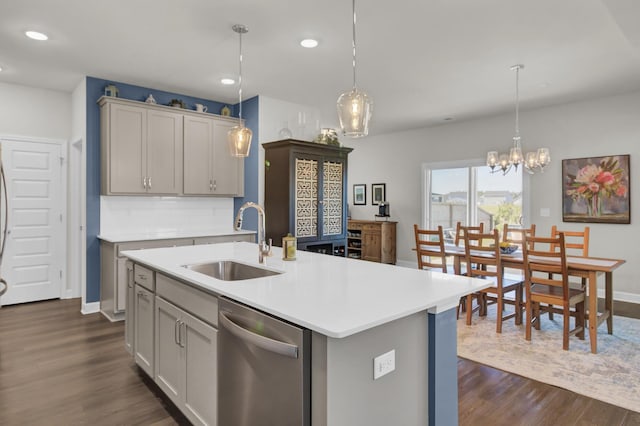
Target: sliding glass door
[(470, 195)]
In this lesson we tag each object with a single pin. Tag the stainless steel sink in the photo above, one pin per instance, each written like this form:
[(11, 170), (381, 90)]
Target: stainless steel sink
[(229, 270)]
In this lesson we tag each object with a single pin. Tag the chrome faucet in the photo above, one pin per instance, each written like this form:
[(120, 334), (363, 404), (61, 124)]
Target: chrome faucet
[(264, 248)]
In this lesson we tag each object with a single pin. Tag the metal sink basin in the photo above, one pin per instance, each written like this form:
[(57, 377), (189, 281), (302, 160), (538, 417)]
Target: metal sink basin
[(228, 270)]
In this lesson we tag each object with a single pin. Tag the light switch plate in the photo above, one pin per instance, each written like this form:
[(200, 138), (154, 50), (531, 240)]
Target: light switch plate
[(384, 364)]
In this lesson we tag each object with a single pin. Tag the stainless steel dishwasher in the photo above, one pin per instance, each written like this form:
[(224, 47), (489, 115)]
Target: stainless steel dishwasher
[(263, 369)]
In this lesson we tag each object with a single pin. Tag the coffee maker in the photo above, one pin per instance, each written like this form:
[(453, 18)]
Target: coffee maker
[(383, 209)]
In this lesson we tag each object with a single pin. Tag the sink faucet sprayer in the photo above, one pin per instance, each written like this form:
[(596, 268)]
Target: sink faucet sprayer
[(264, 248)]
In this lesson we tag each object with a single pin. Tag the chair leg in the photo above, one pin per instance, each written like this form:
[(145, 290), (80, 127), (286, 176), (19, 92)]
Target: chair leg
[(536, 314), (500, 314), (528, 309), (469, 308), (565, 327), (518, 305), (580, 319)]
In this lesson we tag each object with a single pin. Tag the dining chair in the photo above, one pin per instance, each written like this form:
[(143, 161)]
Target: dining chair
[(430, 248), (547, 281), (575, 240), (515, 235), (483, 250), (461, 228)]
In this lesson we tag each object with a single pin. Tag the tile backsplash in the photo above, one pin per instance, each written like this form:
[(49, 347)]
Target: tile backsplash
[(129, 215)]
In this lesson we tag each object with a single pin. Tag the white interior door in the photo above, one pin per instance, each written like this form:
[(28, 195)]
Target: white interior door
[(34, 254)]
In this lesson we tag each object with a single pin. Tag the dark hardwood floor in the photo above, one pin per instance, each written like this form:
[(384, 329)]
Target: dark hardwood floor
[(59, 367)]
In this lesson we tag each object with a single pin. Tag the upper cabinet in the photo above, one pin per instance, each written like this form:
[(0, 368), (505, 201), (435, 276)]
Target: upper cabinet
[(158, 150), (141, 149), (209, 167)]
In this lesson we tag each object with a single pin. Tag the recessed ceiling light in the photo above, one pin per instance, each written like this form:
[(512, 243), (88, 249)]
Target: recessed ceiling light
[(35, 35), (309, 43), (227, 81), (448, 119)]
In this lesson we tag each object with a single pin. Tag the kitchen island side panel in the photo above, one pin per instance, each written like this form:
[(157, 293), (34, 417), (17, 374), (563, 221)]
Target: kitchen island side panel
[(344, 391)]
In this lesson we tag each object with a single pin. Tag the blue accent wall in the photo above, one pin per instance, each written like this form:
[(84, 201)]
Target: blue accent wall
[(443, 368), (250, 114), (95, 89)]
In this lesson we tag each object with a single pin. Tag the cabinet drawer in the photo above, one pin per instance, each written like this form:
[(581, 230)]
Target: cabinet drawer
[(371, 227), (144, 277), (354, 226), (192, 300)]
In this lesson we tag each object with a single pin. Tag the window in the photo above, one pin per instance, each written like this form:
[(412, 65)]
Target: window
[(457, 192)]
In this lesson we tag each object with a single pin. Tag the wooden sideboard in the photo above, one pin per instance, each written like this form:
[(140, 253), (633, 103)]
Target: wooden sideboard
[(372, 240)]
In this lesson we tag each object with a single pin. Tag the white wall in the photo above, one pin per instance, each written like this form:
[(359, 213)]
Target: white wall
[(274, 115), (35, 113), (599, 127)]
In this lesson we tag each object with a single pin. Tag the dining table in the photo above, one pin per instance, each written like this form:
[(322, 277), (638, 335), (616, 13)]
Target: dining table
[(585, 267)]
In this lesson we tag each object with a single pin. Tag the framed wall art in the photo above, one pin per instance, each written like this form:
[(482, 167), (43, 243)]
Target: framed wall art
[(359, 194), (596, 189), (378, 193)]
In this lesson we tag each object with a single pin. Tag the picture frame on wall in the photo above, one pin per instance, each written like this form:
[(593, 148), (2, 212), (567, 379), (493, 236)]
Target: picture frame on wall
[(596, 189), (359, 194), (378, 193)]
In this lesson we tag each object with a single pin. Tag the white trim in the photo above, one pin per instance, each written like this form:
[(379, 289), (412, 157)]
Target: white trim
[(90, 308), (19, 138), (621, 296)]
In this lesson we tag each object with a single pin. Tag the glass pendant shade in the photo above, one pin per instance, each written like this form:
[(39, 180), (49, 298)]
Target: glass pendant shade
[(492, 159), (544, 158), (240, 141), (515, 154), (354, 112)]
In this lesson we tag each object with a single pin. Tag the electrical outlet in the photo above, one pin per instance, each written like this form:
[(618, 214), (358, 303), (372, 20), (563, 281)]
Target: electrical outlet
[(384, 364)]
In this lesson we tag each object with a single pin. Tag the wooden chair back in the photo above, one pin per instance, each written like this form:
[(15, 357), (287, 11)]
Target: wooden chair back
[(516, 235), (483, 252), (576, 240), (430, 248), (460, 231), (546, 267)]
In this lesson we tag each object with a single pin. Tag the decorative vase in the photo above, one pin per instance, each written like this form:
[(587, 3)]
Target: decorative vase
[(594, 206)]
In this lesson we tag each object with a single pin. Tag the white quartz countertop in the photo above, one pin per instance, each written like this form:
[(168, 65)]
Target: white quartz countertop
[(334, 296), (166, 235)]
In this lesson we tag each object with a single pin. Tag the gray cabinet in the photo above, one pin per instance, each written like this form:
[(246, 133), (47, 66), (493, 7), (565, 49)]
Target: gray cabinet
[(113, 272), (130, 309), (141, 149), (209, 167), (186, 362), (144, 329)]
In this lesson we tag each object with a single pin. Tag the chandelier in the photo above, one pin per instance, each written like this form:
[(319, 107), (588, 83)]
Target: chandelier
[(354, 106), (534, 161), (239, 137)]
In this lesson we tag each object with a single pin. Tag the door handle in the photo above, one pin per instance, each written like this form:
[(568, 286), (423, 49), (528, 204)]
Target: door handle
[(176, 332), (144, 182), (149, 183), (183, 332), (266, 343), (210, 185)]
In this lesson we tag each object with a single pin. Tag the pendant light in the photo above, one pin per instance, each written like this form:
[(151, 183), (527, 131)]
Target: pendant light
[(354, 106), (240, 136), (532, 161)]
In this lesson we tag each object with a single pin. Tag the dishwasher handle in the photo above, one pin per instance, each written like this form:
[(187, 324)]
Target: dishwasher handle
[(263, 342)]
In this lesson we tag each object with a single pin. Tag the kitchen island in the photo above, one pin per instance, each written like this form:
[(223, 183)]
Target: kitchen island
[(355, 311)]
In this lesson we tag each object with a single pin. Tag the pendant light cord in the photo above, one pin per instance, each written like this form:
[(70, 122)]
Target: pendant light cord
[(354, 43), (240, 78), (517, 100)]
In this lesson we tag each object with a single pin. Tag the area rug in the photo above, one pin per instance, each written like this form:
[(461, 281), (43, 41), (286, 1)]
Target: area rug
[(612, 375)]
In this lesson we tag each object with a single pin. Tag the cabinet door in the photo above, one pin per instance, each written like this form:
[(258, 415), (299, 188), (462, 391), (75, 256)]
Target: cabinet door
[(164, 152), (305, 208), (129, 319), (227, 171), (200, 374), (371, 245), (168, 358), (332, 198), (127, 156), (198, 140), (144, 330)]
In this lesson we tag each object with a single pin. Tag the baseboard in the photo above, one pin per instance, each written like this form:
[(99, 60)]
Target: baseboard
[(621, 296), (90, 308), (406, 264)]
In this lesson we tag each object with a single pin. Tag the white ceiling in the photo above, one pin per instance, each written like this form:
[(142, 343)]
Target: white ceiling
[(421, 60)]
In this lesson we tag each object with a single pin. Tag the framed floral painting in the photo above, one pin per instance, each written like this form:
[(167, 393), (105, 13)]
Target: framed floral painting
[(596, 189)]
